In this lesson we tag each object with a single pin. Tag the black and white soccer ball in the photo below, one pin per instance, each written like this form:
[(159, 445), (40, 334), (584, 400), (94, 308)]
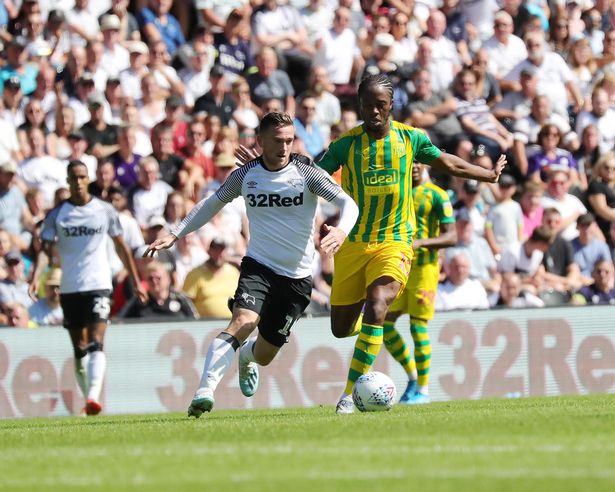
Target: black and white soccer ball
[(374, 392)]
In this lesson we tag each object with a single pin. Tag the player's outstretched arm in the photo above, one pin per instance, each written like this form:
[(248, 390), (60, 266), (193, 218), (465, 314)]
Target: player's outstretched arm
[(159, 244), (456, 166)]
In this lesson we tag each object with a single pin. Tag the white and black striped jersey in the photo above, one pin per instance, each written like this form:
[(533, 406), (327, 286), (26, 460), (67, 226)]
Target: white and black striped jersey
[(281, 207), (81, 232)]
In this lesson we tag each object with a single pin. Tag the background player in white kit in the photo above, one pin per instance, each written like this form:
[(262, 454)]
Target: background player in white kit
[(78, 227), (281, 192)]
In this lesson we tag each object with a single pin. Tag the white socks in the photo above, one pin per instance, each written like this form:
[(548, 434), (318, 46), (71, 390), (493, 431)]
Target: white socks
[(219, 358), (423, 390), (246, 354), (97, 365), (81, 374)]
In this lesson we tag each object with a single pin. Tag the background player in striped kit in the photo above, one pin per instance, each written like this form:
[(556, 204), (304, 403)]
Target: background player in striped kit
[(78, 228), (373, 265), (435, 229), (281, 192)]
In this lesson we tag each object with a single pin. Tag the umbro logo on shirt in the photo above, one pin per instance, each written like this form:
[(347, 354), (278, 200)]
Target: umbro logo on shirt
[(252, 184)]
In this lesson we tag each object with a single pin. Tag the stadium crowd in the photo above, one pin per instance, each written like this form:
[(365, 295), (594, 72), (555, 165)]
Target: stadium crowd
[(156, 97)]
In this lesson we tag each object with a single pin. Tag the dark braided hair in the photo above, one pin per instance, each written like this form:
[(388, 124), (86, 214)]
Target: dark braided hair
[(376, 80)]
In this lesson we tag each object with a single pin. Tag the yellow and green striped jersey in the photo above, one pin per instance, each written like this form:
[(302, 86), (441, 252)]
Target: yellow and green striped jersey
[(377, 174), (432, 207)]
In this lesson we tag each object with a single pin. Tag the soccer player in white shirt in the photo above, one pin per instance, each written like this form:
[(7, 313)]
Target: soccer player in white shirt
[(281, 192), (78, 228)]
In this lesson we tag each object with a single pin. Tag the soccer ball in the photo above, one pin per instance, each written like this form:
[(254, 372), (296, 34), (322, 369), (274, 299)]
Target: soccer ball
[(374, 392)]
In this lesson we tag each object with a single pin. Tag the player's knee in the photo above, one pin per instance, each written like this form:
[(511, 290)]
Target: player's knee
[(95, 347), (80, 352)]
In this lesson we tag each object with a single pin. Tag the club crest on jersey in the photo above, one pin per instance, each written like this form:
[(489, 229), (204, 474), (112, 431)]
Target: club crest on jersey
[(252, 184), (399, 150), (248, 299), (296, 183)]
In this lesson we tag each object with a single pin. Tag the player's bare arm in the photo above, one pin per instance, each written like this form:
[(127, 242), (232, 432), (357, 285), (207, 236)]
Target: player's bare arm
[(124, 254), (40, 263), (456, 166), (446, 238)]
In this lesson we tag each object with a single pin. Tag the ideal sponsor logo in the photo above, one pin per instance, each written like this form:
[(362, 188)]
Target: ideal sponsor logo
[(274, 200), (381, 177)]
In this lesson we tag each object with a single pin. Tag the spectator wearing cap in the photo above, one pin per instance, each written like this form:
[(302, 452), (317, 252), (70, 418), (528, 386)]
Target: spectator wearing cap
[(518, 104), (381, 62), (483, 266), (589, 246), (125, 160), (269, 82), (435, 112), (164, 302), (12, 100), (504, 49), (14, 287), (101, 137), (41, 170), (234, 50), (195, 76), (115, 57), (130, 78), (216, 101), (78, 147), (504, 222), (16, 66), (169, 162), (568, 205), (149, 197), (15, 217), (47, 310), (601, 194), (601, 115), (79, 103), (157, 23), (175, 119), (213, 283), (160, 66), (554, 76), (81, 23), (460, 290), (129, 27), (602, 288), (306, 127), (337, 50)]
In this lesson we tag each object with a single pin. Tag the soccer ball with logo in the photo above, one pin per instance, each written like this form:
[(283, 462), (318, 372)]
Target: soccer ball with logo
[(374, 392)]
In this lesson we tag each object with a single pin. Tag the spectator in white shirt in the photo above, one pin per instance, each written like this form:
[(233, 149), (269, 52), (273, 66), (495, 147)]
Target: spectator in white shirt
[(459, 291), (602, 116), (47, 310), (115, 57)]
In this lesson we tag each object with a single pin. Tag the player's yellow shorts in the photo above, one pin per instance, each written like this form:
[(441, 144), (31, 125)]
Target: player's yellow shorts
[(357, 265), (419, 296)]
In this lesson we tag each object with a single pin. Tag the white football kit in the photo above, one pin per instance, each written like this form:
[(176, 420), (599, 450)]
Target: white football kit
[(81, 232)]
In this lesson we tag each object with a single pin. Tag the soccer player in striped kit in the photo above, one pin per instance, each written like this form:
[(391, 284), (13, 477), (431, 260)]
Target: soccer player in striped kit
[(281, 192), (435, 229), (373, 265)]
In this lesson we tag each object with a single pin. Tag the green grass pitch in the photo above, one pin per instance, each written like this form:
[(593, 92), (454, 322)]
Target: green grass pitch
[(534, 444)]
